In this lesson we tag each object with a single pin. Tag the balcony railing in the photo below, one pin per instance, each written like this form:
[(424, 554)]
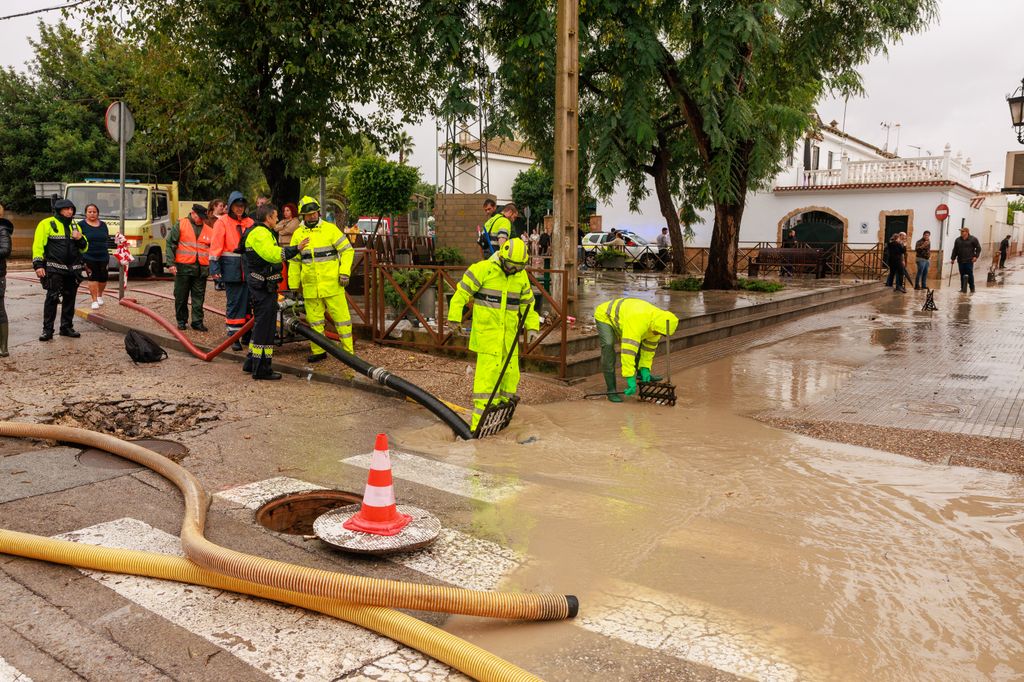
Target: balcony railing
[(885, 171)]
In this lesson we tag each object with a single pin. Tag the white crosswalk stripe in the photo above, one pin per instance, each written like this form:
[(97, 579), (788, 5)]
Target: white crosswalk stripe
[(284, 642), (8, 673)]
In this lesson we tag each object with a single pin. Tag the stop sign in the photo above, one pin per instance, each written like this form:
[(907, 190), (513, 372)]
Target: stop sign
[(941, 212)]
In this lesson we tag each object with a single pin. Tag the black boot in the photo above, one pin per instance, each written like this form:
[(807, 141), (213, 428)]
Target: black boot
[(4, 328), (609, 382), (264, 371), (249, 363)]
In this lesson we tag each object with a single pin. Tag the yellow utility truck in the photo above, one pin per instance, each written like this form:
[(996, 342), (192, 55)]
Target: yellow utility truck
[(150, 210)]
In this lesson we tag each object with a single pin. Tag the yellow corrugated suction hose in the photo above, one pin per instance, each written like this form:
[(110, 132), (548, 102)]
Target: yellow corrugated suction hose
[(314, 584), (432, 641)]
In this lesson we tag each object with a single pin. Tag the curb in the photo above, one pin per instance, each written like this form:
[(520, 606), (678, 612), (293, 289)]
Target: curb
[(169, 342)]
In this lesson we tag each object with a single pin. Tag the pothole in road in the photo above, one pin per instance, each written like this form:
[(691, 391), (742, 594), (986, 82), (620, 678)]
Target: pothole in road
[(295, 513), (131, 418)]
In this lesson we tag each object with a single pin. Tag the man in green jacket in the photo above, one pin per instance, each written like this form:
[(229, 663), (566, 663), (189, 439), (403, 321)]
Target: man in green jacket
[(188, 259), (57, 259)]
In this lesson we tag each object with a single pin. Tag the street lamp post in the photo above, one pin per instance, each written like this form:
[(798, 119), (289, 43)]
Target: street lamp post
[(1016, 102)]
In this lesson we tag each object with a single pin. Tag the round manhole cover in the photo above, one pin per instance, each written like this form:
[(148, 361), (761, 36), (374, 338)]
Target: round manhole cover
[(101, 459), (296, 513), (931, 409)]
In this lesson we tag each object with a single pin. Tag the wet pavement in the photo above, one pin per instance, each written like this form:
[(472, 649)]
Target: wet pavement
[(703, 544)]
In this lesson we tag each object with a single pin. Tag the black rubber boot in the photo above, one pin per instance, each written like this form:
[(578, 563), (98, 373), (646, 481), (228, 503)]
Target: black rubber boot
[(249, 363), (609, 382), (4, 328), (264, 370)]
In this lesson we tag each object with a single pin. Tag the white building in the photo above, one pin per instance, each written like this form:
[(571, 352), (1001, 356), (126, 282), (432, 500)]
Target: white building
[(834, 187)]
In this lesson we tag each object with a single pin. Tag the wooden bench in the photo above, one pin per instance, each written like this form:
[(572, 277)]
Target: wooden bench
[(802, 259)]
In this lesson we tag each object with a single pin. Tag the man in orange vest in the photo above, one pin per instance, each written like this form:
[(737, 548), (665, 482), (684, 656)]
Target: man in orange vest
[(188, 259), (226, 264)]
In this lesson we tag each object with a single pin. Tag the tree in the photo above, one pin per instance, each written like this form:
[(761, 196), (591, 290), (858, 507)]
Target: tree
[(405, 145), (533, 187), (378, 187), (296, 81), (705, 97), (1017, 205)]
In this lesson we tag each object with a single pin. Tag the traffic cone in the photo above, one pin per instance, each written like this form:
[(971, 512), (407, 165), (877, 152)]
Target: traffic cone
[(378, 513)]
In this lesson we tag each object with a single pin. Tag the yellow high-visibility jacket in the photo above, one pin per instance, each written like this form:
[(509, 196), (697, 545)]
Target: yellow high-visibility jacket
[(640, 326), (498, 300), (317, 267)]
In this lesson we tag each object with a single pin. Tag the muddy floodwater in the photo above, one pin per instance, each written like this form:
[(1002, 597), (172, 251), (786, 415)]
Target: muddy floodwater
[(815, 560)]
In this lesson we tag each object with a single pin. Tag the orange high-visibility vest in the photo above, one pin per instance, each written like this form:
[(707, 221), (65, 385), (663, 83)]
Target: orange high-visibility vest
[(190, 247)]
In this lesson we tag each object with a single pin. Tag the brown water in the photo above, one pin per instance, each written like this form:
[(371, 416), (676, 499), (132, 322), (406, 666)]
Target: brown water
[(834, 561)]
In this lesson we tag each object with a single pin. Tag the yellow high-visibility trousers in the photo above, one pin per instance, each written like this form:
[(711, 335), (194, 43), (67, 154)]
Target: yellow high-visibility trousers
[(488, 367), (337, 307)]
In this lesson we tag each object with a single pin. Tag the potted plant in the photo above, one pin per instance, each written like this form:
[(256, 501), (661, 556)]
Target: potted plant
[(448, 255), (409, 280), (611, 259)]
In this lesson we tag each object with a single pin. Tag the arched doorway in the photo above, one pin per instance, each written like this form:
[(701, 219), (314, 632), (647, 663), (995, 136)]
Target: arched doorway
[(821, 230)]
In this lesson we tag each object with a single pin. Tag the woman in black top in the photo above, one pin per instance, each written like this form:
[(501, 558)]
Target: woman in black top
[(897, 263), (97, 255), (6, 231)]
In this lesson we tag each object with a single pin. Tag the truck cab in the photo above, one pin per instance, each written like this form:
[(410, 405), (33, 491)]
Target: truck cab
[(150, 211)]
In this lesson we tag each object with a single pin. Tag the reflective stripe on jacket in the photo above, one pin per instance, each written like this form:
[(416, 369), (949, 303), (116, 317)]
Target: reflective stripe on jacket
[(225, 258), (187, 248), (498, 226), (640, 326), (263, 257), (498, 300), (54, 249), (317, 267)]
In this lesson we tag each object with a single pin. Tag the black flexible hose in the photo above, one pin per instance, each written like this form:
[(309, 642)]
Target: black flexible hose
[(384, 377)]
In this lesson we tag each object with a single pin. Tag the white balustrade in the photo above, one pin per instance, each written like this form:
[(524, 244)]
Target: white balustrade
[(888, 171)]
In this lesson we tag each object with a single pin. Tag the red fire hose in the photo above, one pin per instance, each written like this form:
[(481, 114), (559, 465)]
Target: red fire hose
[(189, 346)]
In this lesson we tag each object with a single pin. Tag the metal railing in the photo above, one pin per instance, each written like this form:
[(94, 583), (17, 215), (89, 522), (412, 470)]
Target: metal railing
[(861, 259)]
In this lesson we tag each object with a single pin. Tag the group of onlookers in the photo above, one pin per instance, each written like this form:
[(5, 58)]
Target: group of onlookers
[(966, 250)]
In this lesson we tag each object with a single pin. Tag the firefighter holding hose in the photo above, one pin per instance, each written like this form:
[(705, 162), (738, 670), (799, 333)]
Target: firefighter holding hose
[(500, 290), (322, 270), (638, 326)]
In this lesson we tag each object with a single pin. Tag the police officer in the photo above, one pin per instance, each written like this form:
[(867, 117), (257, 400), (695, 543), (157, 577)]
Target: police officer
[(57, 259), (322, 270), (500, 290), (638, 326), (263, 258)]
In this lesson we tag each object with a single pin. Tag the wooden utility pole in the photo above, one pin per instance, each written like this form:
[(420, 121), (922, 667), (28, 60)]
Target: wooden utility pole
[(566, 187)]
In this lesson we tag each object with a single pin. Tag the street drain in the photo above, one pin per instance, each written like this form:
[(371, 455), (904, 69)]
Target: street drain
[(101, 459), (931, 409), (296, 513)]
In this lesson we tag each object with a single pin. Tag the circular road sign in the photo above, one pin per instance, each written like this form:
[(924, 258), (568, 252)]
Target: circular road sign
[(115, 112), (941, 212)]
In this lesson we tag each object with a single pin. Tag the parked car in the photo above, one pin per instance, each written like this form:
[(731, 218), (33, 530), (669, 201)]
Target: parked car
[(638, 250)]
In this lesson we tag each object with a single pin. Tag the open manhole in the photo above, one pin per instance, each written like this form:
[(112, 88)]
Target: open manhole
[(296, 513), (101, 459)]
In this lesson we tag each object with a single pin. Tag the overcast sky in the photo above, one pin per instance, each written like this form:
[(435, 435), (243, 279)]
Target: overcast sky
[(946, 85)]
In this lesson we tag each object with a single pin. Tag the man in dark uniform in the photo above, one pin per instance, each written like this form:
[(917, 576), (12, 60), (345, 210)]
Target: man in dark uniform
[(57, 259)]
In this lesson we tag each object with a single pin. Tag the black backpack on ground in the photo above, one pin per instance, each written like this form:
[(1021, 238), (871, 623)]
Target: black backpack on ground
[(141, 348)]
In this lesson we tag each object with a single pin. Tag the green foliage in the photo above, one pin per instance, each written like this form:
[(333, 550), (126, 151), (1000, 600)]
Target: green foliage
[(448, 255), (378, 187), (608, 257), (409, 280), (764, 285), (1011, 207), (533, 188), (686, 284)]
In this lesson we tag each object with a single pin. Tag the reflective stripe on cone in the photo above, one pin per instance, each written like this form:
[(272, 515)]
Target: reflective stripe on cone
[(378, 513)]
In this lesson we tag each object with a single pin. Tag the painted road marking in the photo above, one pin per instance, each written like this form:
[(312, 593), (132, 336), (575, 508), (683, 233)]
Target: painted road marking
[(449, 478), (454, 557), (8, 673), (672, 625), (255, 495), (284, 642), (631, 613)]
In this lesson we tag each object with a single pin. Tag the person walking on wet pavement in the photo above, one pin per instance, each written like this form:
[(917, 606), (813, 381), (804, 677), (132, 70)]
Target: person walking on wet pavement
[(6, 243), (923, 251), (57, 251), (966, 250), (263, 257), (501, 292), (897, 255), (1004, 246), (638, 326)]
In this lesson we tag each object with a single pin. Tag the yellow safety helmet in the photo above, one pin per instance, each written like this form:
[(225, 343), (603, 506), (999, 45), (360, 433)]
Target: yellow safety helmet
[(513, 255), (308, 205)]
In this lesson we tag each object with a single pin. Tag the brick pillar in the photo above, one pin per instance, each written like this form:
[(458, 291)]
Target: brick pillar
[(456, 218)]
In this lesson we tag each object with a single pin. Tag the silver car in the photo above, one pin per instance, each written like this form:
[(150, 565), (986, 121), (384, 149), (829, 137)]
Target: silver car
[(638, 250)]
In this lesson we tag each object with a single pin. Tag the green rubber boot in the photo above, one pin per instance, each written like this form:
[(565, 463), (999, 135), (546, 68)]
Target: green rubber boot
[(609, 382)]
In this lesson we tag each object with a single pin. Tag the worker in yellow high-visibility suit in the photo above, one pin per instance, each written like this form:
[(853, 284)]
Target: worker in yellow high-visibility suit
[(500, 290), (638, 326), (322, 270)]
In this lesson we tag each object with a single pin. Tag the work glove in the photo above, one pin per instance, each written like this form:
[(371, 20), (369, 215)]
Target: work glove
[(456, 329), (630, 386), (531, 335), (645, 375), (343, 280)]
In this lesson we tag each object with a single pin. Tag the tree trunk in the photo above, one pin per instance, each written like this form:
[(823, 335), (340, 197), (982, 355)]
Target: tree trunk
[(284, 187), (659, 169), (721, 270)]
